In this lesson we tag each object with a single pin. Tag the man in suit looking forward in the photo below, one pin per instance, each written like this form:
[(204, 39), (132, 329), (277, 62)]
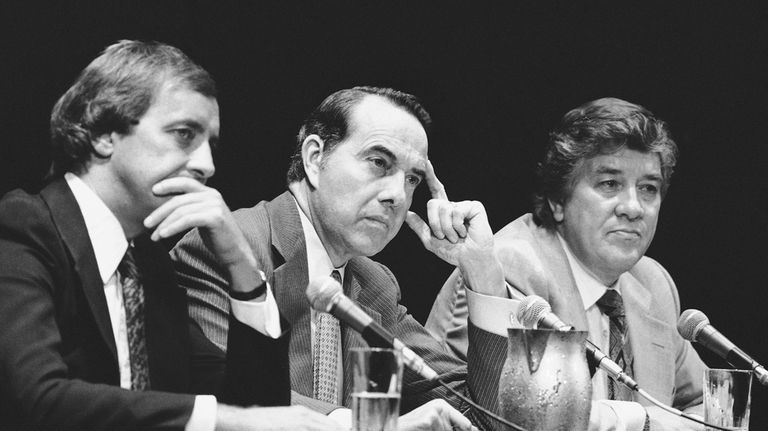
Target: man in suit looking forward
[(607, 167), (95, 333), (359, 157)]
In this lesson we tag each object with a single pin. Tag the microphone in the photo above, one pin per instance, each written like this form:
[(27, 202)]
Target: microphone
[(535, 312), (694, 325), (325, 295)]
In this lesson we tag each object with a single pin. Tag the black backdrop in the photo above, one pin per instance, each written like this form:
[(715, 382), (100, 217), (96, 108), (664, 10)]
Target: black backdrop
[(495, 77)]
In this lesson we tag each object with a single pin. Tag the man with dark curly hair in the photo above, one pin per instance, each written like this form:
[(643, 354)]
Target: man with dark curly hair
[(600, 187)]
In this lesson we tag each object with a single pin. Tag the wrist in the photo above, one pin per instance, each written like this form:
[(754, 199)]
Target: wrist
[(258, 291)]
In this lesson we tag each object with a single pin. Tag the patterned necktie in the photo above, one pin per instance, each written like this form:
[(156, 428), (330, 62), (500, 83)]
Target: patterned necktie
[(612, 306), (133, 301), (326, 356)]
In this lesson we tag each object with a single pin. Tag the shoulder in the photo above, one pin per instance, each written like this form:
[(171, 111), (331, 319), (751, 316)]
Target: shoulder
[(370, 271), (652, 275), (23, 213), (659, 284), (521, 246)]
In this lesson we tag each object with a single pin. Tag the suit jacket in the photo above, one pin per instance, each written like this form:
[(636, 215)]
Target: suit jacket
[(275, 233), (534, 262), (58, 360)]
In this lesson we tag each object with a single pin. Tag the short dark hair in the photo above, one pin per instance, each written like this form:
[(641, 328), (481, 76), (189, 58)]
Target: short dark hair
[(330, 120), (601, 126), (112, 94)]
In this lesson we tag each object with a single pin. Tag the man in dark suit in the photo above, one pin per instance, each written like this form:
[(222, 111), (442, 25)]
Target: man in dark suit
[(95, 332), (360, 155)]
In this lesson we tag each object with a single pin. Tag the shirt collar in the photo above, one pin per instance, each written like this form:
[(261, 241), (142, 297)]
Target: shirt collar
[(318, 262), (590, 288), (104, 230)]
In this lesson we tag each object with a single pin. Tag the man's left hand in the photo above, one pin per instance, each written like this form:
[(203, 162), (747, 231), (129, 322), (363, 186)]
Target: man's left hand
[(459, 233)]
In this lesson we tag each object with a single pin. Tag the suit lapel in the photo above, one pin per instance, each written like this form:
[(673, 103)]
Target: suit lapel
[(566, 303), (648, 337), (290, 279), (69, 221)]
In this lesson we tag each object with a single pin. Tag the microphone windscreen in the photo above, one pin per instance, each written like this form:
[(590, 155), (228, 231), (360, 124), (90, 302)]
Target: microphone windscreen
[(531, 310), (321, 291), (690, 323)]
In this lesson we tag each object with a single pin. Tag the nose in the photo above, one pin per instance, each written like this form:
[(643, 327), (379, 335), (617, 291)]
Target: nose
[(393, 192), (201, 162), (629, 205)]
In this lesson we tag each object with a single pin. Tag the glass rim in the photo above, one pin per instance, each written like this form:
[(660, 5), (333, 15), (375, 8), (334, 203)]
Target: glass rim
[(729, 370), (373, 349)]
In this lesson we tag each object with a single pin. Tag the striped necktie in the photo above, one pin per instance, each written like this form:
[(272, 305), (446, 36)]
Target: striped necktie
[(133, 301), (326, 355), (612, 306)]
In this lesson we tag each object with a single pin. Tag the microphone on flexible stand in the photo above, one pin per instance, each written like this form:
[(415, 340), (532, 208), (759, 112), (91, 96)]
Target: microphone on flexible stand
[(694, 325), (535, 312), (326, 296)]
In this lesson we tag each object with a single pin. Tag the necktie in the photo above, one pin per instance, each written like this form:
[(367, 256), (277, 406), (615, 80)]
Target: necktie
[(612, 306), (133, 301), (326, 356)]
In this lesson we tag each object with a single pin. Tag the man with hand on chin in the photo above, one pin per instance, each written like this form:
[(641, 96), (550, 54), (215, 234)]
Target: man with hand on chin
[(95, 331), (359, 157), (600, 187)]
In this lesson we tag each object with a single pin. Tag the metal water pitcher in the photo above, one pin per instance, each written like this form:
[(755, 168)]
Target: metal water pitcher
[(545, 383)]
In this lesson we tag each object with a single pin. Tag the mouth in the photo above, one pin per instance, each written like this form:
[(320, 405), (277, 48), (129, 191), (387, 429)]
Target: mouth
[(627, 233), (380, 221)]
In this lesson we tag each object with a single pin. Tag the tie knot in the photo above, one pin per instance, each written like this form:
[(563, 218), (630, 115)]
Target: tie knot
[(611, 304), (127, 266)]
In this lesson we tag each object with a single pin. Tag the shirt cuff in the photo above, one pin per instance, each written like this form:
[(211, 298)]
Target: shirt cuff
[(630, 416), (262, 316), (203, 416), (491, 313), (343, 417)]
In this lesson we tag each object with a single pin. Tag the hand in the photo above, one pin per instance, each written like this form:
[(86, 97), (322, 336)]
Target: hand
[(196, 205), (292, 418), (459, 233), (662, 420), (434, 415)]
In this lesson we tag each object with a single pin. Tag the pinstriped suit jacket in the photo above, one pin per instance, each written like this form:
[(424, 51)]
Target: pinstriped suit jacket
[(274, 231), (535, 263)]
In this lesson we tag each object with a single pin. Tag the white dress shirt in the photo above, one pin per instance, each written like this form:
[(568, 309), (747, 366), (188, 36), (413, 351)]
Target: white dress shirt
[(319, 265), (109, 246)]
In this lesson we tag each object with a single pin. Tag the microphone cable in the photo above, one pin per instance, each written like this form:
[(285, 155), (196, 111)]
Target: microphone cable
[(481, 409), (667, 408)]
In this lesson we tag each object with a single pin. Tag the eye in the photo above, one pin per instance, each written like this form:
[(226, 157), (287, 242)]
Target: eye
[(184, 135), (413, 180), (379, 164), (608, 185), (650, 189)]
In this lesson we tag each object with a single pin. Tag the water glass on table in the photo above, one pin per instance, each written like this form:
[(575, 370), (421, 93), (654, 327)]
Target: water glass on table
[(376, 382), (727, 397)]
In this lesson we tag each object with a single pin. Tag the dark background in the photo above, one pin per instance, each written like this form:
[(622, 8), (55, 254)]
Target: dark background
[(495, 77)]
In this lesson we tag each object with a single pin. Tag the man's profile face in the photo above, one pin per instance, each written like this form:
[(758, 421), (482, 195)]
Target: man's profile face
[(172, 139), (610, 217), (365, 185)]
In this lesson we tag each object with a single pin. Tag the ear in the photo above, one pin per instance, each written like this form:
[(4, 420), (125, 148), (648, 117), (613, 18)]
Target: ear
[(557, 210), (103, 146), (312, 157)]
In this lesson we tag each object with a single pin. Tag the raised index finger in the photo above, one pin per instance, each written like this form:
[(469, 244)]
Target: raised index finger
[(436, 188)]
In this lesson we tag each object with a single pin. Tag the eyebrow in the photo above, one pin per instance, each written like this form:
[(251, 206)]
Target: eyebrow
[(387, 152), (605, 170)]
